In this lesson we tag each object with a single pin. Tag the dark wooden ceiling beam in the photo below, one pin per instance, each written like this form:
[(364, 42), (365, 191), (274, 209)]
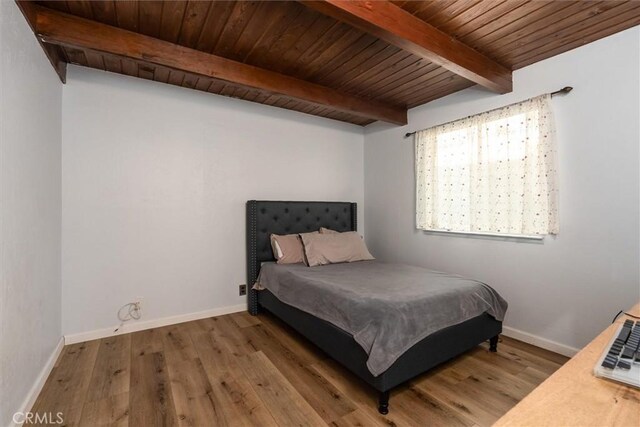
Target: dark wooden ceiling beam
[(74, 32), (54, 53), (398, 27)]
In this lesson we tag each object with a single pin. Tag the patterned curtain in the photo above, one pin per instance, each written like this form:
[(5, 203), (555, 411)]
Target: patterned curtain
[(493, 172)]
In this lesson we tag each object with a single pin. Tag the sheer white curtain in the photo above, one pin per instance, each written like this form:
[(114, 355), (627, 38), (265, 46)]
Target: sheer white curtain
[(493, 172)]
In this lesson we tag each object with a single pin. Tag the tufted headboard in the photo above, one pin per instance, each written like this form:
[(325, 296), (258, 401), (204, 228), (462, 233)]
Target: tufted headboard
[(268, 217)]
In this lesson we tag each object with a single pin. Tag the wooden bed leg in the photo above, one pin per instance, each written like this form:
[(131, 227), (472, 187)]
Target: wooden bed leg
[(493, 344), (383, 402)]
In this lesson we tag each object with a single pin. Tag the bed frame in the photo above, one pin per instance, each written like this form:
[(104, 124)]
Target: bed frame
[(267, 217)]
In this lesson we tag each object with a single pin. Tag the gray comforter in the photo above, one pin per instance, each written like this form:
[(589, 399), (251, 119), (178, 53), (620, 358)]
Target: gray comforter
[(386, 307)]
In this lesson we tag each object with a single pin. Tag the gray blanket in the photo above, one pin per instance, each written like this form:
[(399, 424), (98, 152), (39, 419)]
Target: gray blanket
[(386, 307)]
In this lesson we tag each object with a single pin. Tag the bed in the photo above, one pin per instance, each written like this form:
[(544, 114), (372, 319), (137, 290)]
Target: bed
[(281, 217)]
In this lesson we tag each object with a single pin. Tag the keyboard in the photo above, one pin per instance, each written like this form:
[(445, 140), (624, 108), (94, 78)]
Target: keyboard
[(621, 358)]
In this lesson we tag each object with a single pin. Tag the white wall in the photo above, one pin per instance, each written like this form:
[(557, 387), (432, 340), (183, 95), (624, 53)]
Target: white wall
[(568, 288), (30, 197), (155, 180)]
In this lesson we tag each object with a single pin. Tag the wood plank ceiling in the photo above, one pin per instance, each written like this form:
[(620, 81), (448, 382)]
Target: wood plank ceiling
[(297, 40)]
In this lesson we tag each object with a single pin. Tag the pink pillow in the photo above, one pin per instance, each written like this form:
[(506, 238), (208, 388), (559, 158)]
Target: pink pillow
[(331, 248), (327, 231), (288, 248)]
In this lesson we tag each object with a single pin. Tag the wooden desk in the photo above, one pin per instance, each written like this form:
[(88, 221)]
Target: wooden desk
[(573, 396)]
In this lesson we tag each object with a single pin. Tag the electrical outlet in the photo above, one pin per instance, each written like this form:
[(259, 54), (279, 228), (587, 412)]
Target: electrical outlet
[(243, 289)]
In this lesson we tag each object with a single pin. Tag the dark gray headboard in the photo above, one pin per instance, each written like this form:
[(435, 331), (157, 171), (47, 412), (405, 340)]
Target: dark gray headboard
[(272, 217)]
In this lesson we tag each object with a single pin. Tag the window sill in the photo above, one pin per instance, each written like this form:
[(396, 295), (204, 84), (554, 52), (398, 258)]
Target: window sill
[(528, 237)]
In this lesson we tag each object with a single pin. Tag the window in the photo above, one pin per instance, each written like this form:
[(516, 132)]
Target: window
[(489, 173)]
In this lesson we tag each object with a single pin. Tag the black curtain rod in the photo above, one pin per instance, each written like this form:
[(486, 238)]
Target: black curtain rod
[(562, 91)]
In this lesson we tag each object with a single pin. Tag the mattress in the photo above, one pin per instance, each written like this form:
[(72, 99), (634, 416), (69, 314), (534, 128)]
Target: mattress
[(387, 308)]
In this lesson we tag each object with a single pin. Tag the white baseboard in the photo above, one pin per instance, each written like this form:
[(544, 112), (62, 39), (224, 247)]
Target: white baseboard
[(149, 324), (30, 400), (556, 347)]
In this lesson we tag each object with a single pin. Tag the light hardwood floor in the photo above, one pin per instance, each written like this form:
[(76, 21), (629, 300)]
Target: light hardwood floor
[(238, 370)]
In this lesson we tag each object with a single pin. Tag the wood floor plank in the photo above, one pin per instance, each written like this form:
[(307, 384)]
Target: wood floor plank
[(215, 356), (201, 325), (509, 385), (237, 399), (358, 418), (558, 359), (286, 405), (145, 342), (111, 371), (150, 397), (239, 402), (112, 411), (481, 389), (422, 409), (230, 335), (193, 395), (528, 359), (359, 392), (460, 399), (484, 392), (244, 319), (177, 344), (328, 401), (239, 370), (533, 376), (66, 388), (506, 362)]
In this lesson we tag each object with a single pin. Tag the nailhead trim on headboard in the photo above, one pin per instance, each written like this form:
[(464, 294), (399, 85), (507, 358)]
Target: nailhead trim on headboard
[(252, 258), (354, 216)]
